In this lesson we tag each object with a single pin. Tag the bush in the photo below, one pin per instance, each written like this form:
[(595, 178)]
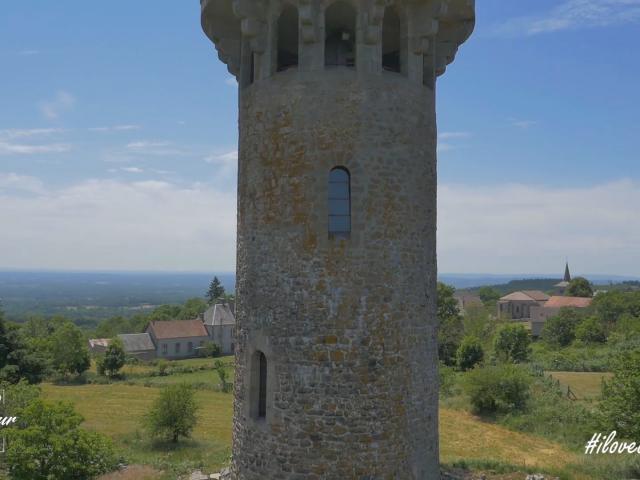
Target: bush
[(591, 330), (163, 366), (469, 354), (209, 350), (173, 414), (221, 370), (447, 380), (512, 344), (560, 331), (48, 444), (620, 406), (497, 389)]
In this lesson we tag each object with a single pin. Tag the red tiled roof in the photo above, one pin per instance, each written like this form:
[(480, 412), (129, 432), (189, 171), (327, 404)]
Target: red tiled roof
[(576, 302), (537, 295), (178, 329)]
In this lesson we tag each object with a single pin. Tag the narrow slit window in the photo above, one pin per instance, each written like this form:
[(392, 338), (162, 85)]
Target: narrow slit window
[(339, 202), (262, 388)]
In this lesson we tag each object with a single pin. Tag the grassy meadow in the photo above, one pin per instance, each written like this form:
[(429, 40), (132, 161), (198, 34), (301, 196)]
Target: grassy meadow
[(117, 409), (587, 386)]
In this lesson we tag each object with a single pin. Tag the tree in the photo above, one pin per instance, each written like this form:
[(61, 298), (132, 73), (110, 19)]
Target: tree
[(221, 370), (216, 291), (47, 443), (560, 331), (192, 308), (489, 295), (580, 287), (450, 327), (512, 343), (173, 414), (114, 358), (18, 359), (591, 330), (69, 352), (469, 354), (620, 405)]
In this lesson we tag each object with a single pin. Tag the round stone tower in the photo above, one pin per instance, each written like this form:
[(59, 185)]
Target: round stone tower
[(336, 354)]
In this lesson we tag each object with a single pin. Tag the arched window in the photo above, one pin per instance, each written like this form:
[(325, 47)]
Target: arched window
[(339, 202), (258, 385), (340, 34), (287, 38), (391, 40), (262, 387)]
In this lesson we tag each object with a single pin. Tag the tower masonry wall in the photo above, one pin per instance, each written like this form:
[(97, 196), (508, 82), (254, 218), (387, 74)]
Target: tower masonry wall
[(348, 325)]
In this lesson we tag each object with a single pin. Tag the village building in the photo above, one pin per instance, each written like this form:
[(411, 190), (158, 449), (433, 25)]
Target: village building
[(138, 345), (220, 324), (467, 301), (562, 286), (517, 305), (98, 345), (177, 338), (551, 308)]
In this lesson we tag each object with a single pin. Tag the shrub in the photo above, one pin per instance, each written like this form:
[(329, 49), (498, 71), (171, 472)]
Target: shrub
[(173, 414), (221, 370), (163, 366), (209, 349), (512, 344), (620, 406), (500, 388), (48, 444), (560, 331), (469, 354), (591, 330)]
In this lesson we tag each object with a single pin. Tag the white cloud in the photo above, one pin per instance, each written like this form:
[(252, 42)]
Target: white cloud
[(114, 128), (448, 135), (229, 158), (23, 149), (12, 182), (158, 225), (231, 81), (27, 53), (62, 102), (156, 148), (524, 124), (12, 133), (574, 14), (132, 169), (108, 224), (519, 229)]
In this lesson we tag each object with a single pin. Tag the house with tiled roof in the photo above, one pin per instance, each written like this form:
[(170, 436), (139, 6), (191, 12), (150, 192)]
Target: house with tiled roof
[(517, 305), (177, 338), (551, 308), (220, 323)]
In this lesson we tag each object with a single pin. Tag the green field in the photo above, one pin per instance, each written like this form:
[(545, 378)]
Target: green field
[(117, 409)]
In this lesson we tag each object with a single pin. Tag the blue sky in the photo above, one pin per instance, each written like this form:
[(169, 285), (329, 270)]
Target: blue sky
[(118, 129)]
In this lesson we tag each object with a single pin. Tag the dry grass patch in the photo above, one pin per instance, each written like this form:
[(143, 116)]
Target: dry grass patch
[(586, 385), (465, 437)]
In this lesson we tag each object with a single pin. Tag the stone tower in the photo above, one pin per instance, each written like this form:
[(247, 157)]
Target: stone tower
[(336, 355)]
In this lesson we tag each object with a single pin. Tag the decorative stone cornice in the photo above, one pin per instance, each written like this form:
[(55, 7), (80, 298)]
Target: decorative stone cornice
[(439, 26)]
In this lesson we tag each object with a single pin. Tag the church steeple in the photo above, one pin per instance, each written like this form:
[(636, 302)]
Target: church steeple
[(567, 274)]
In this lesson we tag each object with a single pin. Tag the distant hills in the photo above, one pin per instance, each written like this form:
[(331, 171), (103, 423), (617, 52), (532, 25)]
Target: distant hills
[(88, 297)]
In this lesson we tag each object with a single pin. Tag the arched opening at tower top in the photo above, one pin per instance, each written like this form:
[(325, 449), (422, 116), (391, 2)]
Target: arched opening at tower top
[(391, 40), (287, 38), (340, 34)]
